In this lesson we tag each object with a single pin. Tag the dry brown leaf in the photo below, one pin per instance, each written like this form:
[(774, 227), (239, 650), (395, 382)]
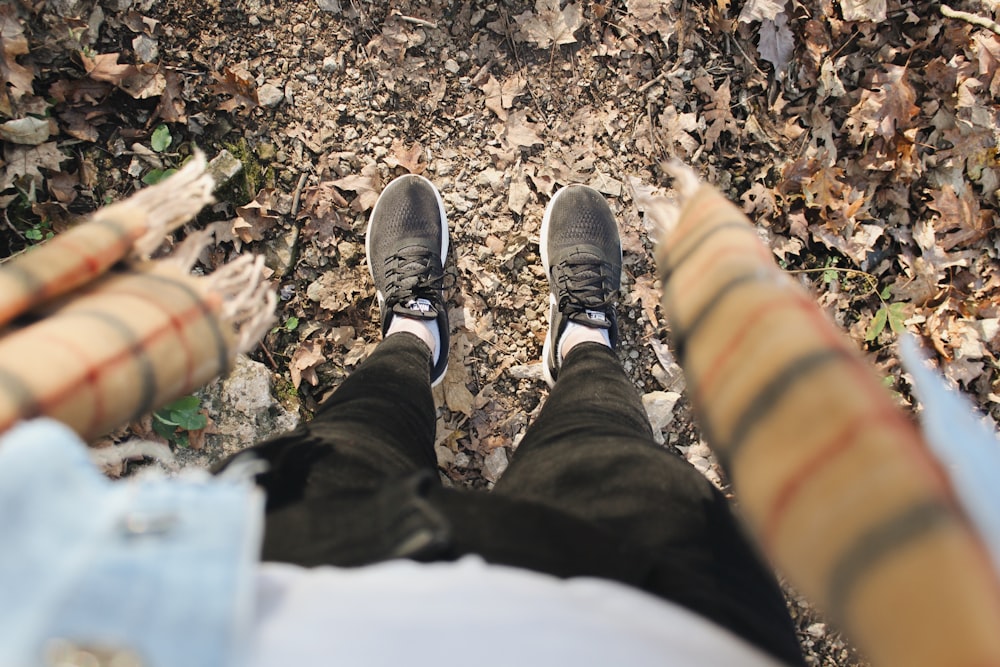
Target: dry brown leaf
[(319, 205), (761, 10), (776, 43), (171, 108), (457, 396), (62, 186), (304, 362), (645, 292), (239, 85), (549, 24), (519, 131), (26, 161), (15, 79), (28, 131), (864, 10), (500, 97), (256, 218), (889, 106), (407, 158), (961, 221), (337, 290), (518, 194), (365, 184), (105, 67)]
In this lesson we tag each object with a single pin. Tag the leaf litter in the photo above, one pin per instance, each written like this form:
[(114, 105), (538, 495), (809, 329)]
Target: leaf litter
[(861, 135)]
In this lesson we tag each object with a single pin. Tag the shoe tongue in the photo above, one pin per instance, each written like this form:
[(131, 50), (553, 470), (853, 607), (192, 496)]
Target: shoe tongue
[(595, 319), (418, 308)]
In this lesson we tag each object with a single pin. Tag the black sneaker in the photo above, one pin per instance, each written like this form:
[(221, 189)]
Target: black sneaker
[(582, 256), (406, 245)]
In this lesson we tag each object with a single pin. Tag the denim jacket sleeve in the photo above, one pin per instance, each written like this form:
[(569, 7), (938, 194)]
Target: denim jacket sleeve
[(156, 569)]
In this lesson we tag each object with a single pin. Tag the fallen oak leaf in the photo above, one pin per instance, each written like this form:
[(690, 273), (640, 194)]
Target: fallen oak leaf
[(25, 161), (407, 158), (257, 217), (887, 108), (304, 362), (961, 221), (519, 131), (28, 131), (171, 108), (549, 24), (864, 10), (105, 67), (365, 184), (239, 85), (15, 79)]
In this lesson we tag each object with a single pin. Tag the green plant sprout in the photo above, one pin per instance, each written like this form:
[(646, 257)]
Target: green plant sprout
[(175, 420), (891, 313)]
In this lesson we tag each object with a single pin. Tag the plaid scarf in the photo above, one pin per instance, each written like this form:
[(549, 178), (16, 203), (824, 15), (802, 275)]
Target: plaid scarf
[(95, 334), (837, 483)]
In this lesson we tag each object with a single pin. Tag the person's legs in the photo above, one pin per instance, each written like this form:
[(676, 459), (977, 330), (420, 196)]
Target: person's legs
[(341, 488), (378, 424), (591, 453)]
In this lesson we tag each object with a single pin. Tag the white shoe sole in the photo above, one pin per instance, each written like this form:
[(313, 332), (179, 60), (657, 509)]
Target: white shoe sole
[(543, 248)]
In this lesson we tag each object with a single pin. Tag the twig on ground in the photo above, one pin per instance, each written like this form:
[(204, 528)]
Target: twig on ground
[(974, 19), (267, 353), (415, 21), (297, 197), (652, 82)]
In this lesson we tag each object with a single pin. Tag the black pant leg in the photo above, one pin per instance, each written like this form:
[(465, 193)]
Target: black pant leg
[(591, 454), (378, 425)]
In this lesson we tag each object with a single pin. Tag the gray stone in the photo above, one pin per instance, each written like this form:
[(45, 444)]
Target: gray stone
[(660, 410), (224, 167), (270, 95), (243, 408), (279, 253), (494, 464)]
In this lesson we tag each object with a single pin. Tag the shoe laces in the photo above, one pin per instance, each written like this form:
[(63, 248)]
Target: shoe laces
[(582, 285), (412, 273)]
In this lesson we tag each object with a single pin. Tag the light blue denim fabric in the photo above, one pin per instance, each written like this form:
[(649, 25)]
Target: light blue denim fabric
[(160, 568)]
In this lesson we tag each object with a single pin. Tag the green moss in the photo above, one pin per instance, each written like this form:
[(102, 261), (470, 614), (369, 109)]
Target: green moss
[(254, 176), (286, 392)]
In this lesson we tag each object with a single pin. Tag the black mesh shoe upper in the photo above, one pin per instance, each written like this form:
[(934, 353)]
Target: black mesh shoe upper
[(582, 253), (406, 244)]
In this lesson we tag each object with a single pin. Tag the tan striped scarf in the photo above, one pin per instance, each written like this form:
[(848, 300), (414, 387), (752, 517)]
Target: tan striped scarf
[(834, 480), (95, 334)]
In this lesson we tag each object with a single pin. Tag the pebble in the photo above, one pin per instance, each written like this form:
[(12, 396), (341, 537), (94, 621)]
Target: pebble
[(494, 464), (817, 630), (270, 95), (452, 66)]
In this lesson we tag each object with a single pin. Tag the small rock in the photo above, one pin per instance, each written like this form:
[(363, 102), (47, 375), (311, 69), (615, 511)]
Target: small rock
[(660, 410), (146, 48), (349, 252), (266, 151), (526, 371), (270, 95), (332, 6), (494, 464), (330, 64), (243, 408), (279, 254), (452, 66), (224, 167), (817, 630)]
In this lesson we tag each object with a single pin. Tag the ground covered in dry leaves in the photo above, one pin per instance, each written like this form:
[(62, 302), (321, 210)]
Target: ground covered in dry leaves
[(861, 135)]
